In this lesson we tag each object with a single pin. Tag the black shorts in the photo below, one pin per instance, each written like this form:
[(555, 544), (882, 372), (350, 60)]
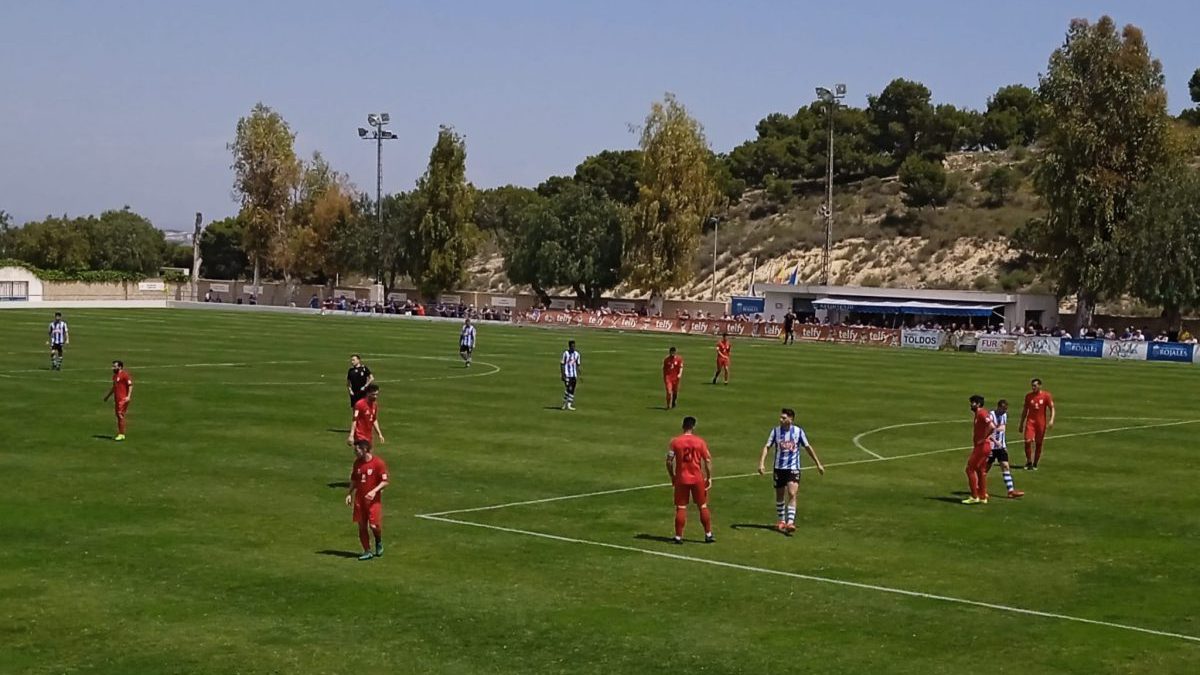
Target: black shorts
[(465, 349), (570, 384), (355, 398), (785, 476), (999, 455), (57, 349)]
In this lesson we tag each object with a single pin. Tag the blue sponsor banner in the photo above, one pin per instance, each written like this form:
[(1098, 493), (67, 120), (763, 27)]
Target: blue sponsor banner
[(740, 305), (1089, 348), (1170, 351)]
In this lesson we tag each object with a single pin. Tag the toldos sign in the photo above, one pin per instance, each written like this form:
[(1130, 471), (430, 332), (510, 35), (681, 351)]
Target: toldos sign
[(922, 339)]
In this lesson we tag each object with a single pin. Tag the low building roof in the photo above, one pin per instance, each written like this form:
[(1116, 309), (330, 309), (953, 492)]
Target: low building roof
[(926, 294)]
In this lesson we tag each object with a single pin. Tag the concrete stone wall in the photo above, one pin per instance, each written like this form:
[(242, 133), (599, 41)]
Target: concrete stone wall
[(119, 290)]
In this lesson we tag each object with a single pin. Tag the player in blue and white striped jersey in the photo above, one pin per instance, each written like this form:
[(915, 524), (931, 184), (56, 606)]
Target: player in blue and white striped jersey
[(1000, 448), (787, 439), (60, 337), (569, 368), (466, 342)]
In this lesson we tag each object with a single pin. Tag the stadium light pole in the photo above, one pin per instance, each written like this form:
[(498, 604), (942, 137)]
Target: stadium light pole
[(830, 98), (379, 135)]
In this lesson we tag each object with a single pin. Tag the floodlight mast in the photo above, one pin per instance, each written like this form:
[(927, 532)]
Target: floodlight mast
[(379, 135), (830, 98)]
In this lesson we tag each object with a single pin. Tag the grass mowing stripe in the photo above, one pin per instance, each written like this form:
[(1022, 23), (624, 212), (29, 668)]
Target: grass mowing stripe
[(823, 580), (220, 525), (878, 458)]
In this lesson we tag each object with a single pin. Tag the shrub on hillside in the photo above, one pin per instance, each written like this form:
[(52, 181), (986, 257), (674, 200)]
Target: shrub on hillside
[(1000, 184), (924, 182)]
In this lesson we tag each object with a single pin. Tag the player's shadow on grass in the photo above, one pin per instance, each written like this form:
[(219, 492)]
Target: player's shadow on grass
[(338, 484), (951, 500), (338, 431), (102, 437), (339, 554), (654, 537), (756, 526)]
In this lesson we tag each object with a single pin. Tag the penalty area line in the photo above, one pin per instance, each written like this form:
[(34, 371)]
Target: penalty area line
[(823, 580), (852, 462)]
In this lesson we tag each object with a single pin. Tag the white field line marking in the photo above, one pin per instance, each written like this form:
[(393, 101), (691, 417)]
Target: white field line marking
[(857, 439), (173, 365), (803, 468), (494, 369), (823, 580)]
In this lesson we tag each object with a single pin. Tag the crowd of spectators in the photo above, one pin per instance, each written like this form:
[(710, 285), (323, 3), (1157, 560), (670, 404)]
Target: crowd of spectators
[(1129, 334), (342, 303)]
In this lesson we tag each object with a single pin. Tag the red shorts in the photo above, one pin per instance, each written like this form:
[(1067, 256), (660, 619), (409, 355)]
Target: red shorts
[(722, 362), (1035, 431), (979, 455), (372, 511), (121, 408), (694, 491), (672, 383), (370, 438)]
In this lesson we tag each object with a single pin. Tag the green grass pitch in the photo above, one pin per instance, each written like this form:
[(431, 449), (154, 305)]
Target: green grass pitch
[(215, 539)]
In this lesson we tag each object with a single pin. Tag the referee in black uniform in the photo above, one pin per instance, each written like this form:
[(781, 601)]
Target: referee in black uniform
[(358, 378)]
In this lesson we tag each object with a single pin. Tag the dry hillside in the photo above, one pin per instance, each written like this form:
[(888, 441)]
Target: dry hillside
[(877, 240)]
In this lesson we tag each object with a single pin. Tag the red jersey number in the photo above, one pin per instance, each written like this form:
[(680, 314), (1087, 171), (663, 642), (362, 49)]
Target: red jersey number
[(690, 453)]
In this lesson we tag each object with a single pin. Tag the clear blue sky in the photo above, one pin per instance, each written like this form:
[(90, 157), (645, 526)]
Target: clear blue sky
[(109, 103)]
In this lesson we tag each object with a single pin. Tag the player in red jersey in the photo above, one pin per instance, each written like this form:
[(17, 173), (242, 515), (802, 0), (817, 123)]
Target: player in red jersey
[(689, 465), (981, 449), (1034, 423), (723, 349), (121, 391), (672, 372), (368, 478), (366, 418)]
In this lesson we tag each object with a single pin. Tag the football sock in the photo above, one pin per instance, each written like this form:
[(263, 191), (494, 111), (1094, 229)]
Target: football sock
[(1037, 457), (1028, 452), (779, 510), (791, 515), (364, 538), (680, 520), (706, 519), (378, 532), (1008, 481), (973, 481)]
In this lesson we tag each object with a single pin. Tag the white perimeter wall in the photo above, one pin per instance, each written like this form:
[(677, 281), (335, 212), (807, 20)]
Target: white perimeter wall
[(22, 274)]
